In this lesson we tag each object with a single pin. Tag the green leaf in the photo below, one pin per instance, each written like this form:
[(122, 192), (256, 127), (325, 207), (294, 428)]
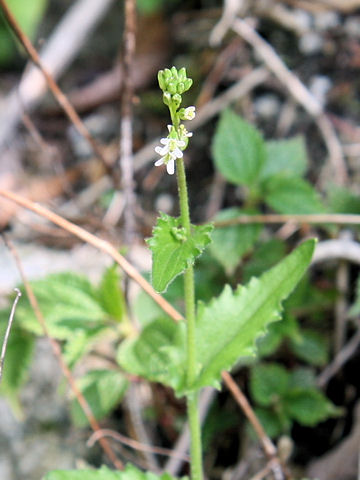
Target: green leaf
[(18, 358), (287, 157), (277, 332), (158, 354), (110, 294), (103, 389), (302, 378), (238, 150), (229, 244), (229, 325), (311, 347), (309, 406), (104, 473), (342, 200), (68, 303), (268, 383), (172, 252), (265, 256), (291, 195), (270, 421)]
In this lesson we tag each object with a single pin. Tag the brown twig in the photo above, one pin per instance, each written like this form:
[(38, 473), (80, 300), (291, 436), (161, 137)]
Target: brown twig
[(126, 130), (134, 444), (57, 352), (317, 218), (268, 446), (7, 332), (340, 359), (102, 245), (53, 86), (299, 92)]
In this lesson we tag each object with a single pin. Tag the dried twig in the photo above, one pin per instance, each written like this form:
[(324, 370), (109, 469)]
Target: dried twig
[(53, 86), (268, 446), (7, 332), (316, 218), (337, 249), (300, 93), (57, 352), (126, 131), (102, 245), (134, 444), (339, 360)]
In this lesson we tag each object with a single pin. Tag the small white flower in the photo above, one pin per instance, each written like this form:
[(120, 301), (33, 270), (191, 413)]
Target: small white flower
[(169, 153), (189, 113)]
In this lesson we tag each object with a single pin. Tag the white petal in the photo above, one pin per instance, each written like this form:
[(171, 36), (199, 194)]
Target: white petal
[(169, 128), (180, 143), (170, 167), (165, 141), (159, 162), (162, 150), (177, 153), (189, 134)]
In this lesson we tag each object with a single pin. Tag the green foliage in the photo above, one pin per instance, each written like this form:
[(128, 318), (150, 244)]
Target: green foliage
[(229, 244), (229, 325), (311, 347), (110, 295), (29, 15), (104, 473), (287, 157), (285, 397), (291, 195), (238, 149), (226, 329), (158, 354), (172, 251), (103, 389), (355, 308), (342, 200)]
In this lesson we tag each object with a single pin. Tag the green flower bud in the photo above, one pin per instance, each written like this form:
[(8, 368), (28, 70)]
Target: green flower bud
[(161, 80), (167, 98), (167, 74), (171, 88), (176, 100), (182, 74), (174, 72), (188, 82), (180, 88)]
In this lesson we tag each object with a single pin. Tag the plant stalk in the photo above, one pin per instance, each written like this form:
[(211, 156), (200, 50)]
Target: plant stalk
[(189, 294)]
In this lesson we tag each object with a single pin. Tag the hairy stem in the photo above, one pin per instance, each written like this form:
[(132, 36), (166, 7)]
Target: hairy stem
[(189, 293)]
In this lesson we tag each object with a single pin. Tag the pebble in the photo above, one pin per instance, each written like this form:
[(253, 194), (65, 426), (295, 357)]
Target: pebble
[(310, 43), (267, 106)]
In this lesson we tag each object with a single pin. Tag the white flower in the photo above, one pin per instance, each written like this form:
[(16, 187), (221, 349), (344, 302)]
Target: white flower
[(169, 153), (189, 113)]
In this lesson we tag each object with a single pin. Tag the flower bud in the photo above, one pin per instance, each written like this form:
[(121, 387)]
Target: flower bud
[(176, 99)]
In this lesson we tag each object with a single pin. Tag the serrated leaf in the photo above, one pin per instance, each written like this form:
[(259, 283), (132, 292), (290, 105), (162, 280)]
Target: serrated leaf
[(229, 244), (238, 149), (104, 473), (309, 406), (67, 301), (287, 157), (103, 390), (110, 294), (228, 326), (158, 354), (291, 195), (268, 383), (311, 347), (172, 251)]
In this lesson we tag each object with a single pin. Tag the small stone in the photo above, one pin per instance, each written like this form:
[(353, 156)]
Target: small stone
[(267, 106), (310, 43), (319, 87), (326, 20), (304, 19)]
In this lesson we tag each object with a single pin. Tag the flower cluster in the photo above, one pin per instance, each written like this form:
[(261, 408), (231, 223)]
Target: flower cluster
[(173, 83)]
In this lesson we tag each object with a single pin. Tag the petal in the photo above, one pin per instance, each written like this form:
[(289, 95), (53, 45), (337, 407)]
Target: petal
[(180, 143), (170, 167), (162, 150), (177, 153), (165, 141), (159, 162)]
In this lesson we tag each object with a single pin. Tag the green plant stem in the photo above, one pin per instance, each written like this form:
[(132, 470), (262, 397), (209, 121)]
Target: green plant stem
[(189, 293)]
